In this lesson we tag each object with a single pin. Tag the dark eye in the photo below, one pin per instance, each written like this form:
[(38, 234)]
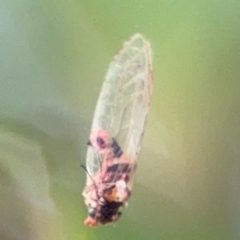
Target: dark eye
[(101, 143), (92, 212)]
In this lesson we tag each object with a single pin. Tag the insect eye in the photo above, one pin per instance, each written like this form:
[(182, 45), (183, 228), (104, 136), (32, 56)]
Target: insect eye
[(101, 143), (92, 212)]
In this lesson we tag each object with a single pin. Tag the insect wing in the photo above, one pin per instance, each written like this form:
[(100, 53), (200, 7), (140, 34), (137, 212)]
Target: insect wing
[(123, 103), (134, 67)]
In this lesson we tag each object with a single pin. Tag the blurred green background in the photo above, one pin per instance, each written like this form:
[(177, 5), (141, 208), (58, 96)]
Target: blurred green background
[(53, 58)]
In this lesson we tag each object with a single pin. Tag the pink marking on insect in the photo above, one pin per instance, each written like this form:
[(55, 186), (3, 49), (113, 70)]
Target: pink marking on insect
[(108, 192), (99, 139)]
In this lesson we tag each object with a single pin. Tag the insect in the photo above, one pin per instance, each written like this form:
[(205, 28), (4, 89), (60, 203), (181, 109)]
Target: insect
[(117, 132)]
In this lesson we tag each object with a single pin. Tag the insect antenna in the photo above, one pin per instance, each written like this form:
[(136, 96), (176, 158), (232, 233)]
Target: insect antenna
[(95, 185)]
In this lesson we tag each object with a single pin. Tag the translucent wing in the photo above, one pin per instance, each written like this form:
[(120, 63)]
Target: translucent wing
[(123, 103)]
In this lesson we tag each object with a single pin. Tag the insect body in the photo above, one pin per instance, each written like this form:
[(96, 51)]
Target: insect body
[(117, 132)]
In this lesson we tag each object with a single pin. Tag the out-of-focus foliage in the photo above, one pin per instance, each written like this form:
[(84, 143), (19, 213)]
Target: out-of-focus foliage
[(54, 55)]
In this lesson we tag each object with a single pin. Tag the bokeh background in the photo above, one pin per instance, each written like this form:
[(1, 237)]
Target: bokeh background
[(53, 58)]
